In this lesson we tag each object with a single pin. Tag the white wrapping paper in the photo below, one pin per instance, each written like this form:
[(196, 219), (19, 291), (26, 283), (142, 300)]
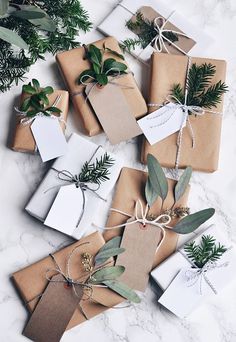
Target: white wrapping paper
[(114, 25), (79, 151), (181, 295)]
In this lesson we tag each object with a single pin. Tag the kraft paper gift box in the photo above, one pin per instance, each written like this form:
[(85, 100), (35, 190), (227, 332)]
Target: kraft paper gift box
[(130, 188), (182, 295), (65, 217), (31, 282), (23, 140), (115, 25), (168, 70), (71, 63)]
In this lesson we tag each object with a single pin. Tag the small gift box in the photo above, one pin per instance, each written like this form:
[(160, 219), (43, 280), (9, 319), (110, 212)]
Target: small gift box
[(168, 31), (103, 91), (71, 286), (70, 197), (202, 267), (27, 117), (185, 125)]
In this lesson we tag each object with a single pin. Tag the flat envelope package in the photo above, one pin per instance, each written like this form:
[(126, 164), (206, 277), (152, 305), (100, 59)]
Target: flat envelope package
[(184, 290), (59, 203), (113, 108), (197, 41)]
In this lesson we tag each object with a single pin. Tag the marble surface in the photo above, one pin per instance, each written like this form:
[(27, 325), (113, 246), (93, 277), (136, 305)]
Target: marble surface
[(24, 240)]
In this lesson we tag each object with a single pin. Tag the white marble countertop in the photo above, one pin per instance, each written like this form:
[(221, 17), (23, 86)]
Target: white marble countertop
[(24, 240)]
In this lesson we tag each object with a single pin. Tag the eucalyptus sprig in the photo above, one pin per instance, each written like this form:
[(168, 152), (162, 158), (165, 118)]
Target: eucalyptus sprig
[(37, 101), (206, 251), (101, 68), (100, 273), (200, 90), (157, 186), (98, 171), (145, 31)]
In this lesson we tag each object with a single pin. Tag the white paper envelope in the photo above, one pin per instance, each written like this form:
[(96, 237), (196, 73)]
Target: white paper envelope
[(183, 293), (114, 25), (79, 151)]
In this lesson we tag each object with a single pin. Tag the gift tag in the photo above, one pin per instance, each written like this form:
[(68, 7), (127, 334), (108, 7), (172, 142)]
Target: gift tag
[(140, 245), (49, 138), (66, 209), (162, 123), (53, 312), (113, 112)]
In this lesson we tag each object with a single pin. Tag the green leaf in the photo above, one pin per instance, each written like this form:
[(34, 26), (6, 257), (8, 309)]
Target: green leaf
[(111, 65), (54, 109), (110, 249), (96, 68), (191, 222), (157, 177), (27, 88), (43, 97), (102, 79), (106, 273), (45, 23), (95, 55), (150, 194), (36, 84), (3, 6), (123, 290), (85, 75), (48, 90), (115, 53), (183, 182), (28, 14), (31, 113), (12, 38), (25, 104)]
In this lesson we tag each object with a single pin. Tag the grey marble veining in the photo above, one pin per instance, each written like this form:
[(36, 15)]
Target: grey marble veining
[(23, 240)]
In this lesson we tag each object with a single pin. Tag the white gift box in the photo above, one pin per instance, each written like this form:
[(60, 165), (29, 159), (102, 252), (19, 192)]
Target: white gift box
[(184, 290), (115, 25), (59, 204)]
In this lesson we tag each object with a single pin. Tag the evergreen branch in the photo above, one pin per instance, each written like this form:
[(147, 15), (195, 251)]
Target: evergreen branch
[(96, 172), (206, 251)]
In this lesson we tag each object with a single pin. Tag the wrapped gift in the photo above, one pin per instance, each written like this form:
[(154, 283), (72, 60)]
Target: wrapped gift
[(34, 282), (196, 140), (187, 36), (24, 140), (186, 282), (130, 188), (114, 106), (67, 202)]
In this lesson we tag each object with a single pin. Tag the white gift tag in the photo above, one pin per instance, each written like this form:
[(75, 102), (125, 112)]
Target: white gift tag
[(49, 138), (162, 123), (66, 209)]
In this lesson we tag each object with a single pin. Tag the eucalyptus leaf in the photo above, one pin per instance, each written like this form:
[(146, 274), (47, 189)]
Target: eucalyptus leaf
[(183, 182), (123, 290), (103, 256), (112, 244), (45, 23), (3, 7), (191, 222), (157, 177), (107, 273), (150, 194), (95, 54), (12, 38), (22, 14)]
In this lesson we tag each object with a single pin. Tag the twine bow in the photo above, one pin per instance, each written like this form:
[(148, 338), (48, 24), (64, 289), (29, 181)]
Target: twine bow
[(159, 41), (161, 222), (186, 109), (28, 120)]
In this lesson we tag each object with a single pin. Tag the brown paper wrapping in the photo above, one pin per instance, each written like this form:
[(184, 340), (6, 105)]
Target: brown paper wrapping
[(129, 189), (23, 140), (166, 71), (72, 63), (31, 280), (184, 43)]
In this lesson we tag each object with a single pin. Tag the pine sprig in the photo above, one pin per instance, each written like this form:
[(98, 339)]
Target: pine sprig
[(68, 16), (98, 171), (145, 31), (204, 252), (200, 92)]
